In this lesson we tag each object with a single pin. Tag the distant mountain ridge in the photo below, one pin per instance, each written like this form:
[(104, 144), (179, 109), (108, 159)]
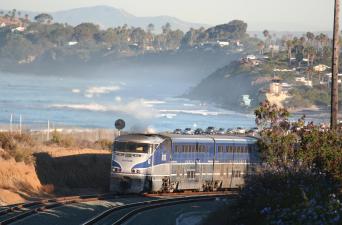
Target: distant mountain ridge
[(107, 16)]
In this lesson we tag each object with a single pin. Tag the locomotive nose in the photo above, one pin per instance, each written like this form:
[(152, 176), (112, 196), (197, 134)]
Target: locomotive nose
[(126, 183)]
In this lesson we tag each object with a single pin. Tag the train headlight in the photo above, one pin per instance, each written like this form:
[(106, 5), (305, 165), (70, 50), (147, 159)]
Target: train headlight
[(135, 171), (116, 170)]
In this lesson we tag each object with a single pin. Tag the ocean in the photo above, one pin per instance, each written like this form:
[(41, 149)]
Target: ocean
[(96, 101)]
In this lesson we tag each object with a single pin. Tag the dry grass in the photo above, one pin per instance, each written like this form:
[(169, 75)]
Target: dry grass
[(20, 147), (78, 140), (60, 152)]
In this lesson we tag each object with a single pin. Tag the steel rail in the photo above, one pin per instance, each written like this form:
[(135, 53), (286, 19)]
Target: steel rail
[(157, 205), (49, 204), (143, 205)]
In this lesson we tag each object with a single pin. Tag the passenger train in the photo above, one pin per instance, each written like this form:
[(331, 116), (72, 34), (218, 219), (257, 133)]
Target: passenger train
[(172, 163)]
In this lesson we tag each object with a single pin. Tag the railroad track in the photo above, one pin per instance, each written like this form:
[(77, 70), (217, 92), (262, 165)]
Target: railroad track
[(138, 207), (17, 212)]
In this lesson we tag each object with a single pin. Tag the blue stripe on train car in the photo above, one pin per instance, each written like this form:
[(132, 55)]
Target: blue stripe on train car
[(161, 155), (144, 165), (116, 164)]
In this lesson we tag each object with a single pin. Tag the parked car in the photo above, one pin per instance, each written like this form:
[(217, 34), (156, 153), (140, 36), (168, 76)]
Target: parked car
[(188, 131), (240, 130), (230, 131), (253, 131), (199, 131), (177, 131), (210, 130), (220, 131)]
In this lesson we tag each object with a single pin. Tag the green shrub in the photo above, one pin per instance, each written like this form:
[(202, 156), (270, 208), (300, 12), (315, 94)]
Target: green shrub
[(17, 146), (62, 140), (7, 141), (284, 197), (23, 155), (300, 178)]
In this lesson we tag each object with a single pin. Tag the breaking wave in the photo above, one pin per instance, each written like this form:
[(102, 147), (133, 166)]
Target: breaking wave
[(202, 112), (167, 115), (97, 91), (137, 108)]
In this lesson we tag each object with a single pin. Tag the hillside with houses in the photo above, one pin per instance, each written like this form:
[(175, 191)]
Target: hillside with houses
[(288, 71), (38, 42)]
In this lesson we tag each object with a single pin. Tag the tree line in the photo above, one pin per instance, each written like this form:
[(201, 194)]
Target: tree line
[(310, 46), (43, 34)]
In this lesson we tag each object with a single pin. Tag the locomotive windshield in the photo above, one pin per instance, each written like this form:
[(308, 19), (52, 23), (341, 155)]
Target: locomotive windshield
[(131, 147)]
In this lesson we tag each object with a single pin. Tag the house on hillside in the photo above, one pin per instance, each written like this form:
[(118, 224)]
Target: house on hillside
[(251, 57), (149, 48), (245, 101), (276, 93), (275, 48), (215, 44), (321, 68), (18, 29), (71, 43), (251, 60), (284, 70), (238, 43), (275, 86), (10, 22), (304, 81), (327, 78), (223, 44)]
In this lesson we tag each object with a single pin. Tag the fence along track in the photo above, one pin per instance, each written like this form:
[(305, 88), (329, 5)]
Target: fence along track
[(146, 205), (48, 204)]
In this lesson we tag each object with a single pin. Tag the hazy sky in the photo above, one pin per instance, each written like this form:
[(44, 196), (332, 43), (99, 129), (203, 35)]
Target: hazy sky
[(260, 14)]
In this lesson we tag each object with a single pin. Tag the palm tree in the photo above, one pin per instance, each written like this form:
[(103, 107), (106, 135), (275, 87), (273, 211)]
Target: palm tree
[(261, 46), (310, 36), (266, 34), (150, 28), (311, 54), (289, 45), (13, 14), (335, 64), (166, 28), (302, 42)]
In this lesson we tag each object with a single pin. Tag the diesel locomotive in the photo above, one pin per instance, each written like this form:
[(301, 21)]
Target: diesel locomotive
[(175, 162)]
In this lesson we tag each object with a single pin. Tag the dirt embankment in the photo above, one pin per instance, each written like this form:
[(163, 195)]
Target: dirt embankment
[(18, 182), (55, 172)]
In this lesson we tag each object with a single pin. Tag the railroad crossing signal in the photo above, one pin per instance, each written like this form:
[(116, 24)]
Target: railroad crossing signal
[(120, 124)]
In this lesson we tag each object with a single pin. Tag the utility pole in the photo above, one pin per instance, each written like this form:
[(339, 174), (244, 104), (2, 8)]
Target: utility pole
[(48, 131), (11, 122), (335, 65), (20, 121)]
